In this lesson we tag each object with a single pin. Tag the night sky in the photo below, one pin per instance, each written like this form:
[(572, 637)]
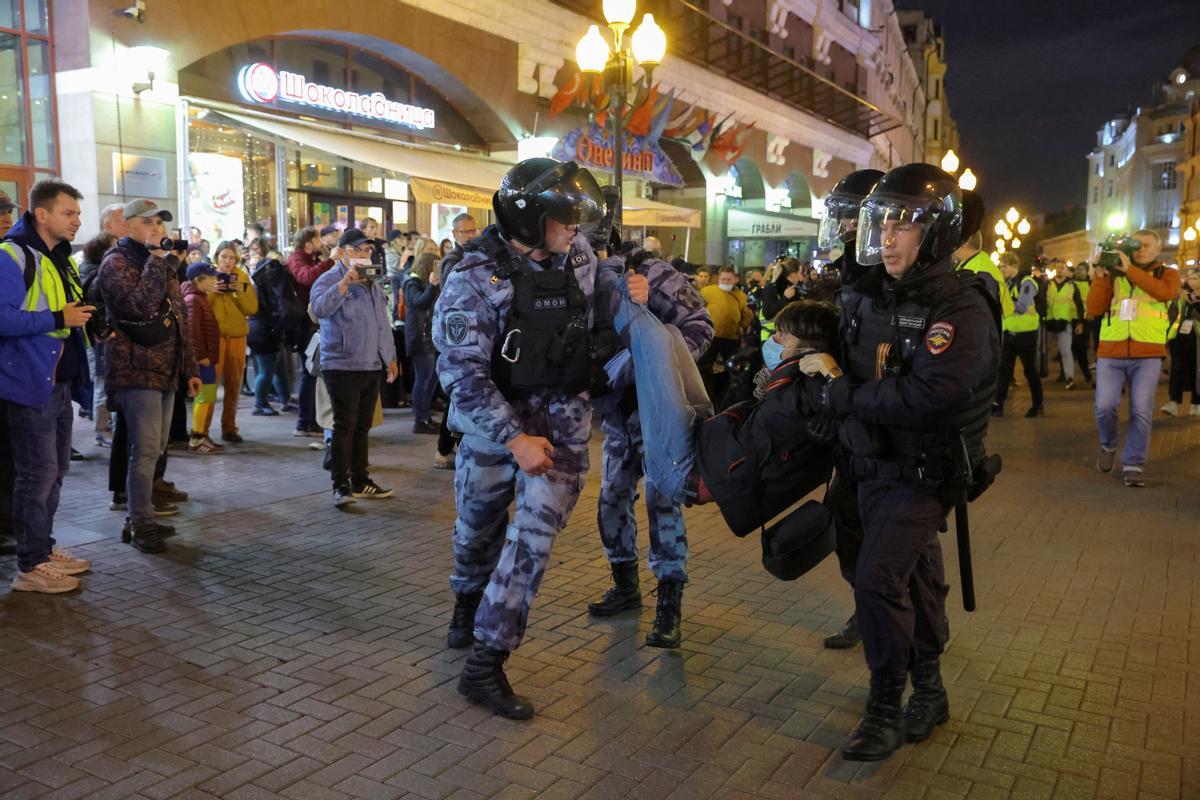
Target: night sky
[(1031, 81)]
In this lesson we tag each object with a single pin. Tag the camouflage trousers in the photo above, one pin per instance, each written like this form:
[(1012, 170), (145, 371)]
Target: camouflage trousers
[(507, 559), (622, 469)]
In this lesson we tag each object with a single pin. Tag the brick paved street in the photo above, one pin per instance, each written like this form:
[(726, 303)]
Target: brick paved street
[(285, 649)]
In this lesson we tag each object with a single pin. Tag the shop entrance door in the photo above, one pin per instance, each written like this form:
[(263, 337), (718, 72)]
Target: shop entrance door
[(15, 183), (346, 212)]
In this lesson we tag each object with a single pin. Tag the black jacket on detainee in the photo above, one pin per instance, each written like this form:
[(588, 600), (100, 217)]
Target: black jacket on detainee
[(758, 458)]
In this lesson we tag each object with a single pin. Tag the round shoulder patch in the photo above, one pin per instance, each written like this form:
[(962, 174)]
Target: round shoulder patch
[(939, 337)]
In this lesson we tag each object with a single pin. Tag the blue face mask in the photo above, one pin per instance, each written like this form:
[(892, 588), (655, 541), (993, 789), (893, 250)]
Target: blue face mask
[(772, 352)]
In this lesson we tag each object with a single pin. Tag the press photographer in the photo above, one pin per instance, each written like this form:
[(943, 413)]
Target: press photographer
[(1130, 295)]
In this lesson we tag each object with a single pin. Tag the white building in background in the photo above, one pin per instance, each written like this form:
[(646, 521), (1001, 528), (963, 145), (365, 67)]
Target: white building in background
[(1134, 170)]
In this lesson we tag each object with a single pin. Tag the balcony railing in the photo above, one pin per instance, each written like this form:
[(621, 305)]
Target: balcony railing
[(695, 35)]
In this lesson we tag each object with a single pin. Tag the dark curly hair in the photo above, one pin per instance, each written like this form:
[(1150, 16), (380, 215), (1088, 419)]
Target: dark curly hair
[(813, 322), (94, 250)]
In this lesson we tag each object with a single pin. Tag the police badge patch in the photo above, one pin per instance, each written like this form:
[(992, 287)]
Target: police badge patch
[(458, 325), (939, 338)]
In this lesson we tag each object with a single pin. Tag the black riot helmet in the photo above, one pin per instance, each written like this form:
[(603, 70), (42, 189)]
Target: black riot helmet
[(973, 213), (841, 206), (538, 189), (912, 195)]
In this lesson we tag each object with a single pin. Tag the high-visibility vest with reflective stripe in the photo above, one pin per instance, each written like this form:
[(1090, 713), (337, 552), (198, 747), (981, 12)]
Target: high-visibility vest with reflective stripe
[(47, 292), (1148, 327), (982, 263), (1026, 322), (766, 327), (1060, 300)]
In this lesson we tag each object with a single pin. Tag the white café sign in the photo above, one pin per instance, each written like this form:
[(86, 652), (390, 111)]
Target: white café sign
[(748, 225), (262, 83)]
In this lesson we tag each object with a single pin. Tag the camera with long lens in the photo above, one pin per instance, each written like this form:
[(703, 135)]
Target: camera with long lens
[(173, 245), (1111, 248)]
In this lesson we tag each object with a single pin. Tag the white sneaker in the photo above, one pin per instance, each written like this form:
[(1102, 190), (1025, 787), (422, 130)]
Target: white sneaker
[(67, 564), (1195, 412), (45, 579), (1171, 409)]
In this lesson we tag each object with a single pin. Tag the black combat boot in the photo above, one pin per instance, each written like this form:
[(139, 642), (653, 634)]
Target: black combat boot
[(881, 729), (483, 682), (928, 706), (847, 637), (148, 538), (665, 632), (624, 593), (462, 621)]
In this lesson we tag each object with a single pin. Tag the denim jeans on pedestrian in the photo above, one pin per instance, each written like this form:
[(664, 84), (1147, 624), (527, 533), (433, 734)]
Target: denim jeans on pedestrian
[(424, 384), (97, 364), (1063, 338), (267, 366), (1141, 374), (671, 397), (40, 442), (147, 414)]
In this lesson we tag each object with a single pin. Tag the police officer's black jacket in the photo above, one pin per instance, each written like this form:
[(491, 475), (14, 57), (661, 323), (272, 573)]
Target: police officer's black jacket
[(758, 458), (921, 356)]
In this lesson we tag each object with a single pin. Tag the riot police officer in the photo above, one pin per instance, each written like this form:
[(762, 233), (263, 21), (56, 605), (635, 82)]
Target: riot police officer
[(673, 300), (920, 345), (838, 229), (512, 327)]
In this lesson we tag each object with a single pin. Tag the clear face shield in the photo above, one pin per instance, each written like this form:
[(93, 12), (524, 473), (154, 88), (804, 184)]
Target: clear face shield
[(841, 217), (892, 228)]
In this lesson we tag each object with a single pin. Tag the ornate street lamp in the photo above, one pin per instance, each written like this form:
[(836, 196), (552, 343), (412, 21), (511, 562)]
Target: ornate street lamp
[(648, 45)]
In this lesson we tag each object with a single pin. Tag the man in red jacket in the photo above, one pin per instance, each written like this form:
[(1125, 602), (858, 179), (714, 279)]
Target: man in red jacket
[(306, 264), (1131, 300)]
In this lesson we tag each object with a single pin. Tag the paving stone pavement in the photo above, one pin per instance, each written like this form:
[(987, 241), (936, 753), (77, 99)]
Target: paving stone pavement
[(286, 649)]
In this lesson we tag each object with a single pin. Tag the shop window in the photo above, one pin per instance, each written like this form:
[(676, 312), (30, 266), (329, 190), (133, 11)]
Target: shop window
[(41, 104), (10, 16), (12, 101), (1165, 176), (37, 16)]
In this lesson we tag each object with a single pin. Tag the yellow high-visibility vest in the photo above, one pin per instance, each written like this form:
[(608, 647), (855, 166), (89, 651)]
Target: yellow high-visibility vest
[(1021, 323), (1150, 322), (47, 292)]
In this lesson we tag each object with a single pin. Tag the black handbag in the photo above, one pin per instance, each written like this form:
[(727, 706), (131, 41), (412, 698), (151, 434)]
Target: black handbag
[(154, 331)]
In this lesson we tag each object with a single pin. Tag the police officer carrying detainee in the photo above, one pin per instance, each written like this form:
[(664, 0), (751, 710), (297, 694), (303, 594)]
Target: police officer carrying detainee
[(921, 347), (512, 327)]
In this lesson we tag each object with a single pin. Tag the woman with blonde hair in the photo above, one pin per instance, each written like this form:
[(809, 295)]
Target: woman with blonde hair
[(420, 294), (234, 301)]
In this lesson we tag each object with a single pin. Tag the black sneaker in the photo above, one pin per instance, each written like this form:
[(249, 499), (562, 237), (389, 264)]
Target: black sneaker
[(372, 490), (427, 426), (342, 496), (232, 436)]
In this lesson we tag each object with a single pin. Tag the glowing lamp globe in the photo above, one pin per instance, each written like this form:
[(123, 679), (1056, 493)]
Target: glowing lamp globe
[(967, 180), (592, 51), (619, 12), (950, 162), (649, 42), (1012, 216)]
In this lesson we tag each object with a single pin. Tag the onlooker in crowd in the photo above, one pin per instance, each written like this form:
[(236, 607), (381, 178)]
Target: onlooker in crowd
[(150, 348), (256, 252), (370, 227), (420, 293), (445, 248), (1133, 341), (93, 254), (253, 231), (1020, 335), (395, 254), (195, 237), (234, 301), (652, 245), (195, 254), (463, 228), (1064, 314), (424, 244), (278, 312), (201, 284), (42, 361), (306, 264), (329, 240), (731, 317), (8, 210), (777, 294), (702, 277), (1081, 340), (1185, 363), (356, 346)]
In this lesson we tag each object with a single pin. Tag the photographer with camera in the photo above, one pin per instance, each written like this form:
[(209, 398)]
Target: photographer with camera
[(149, 347), (356, 347), (1130, 295)]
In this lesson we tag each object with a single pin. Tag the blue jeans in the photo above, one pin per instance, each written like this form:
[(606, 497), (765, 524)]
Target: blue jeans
[(40, 440), (671, 397), (1141, 374), (424, 384), (267, 368), (147, 414)]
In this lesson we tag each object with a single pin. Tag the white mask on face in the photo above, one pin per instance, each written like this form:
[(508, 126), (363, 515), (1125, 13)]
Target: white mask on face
[(360, 262), (725, 287)]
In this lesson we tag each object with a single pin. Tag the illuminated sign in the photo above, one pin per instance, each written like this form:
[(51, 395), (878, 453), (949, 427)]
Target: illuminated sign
[(593, 147), (748, 225), (262, 83)]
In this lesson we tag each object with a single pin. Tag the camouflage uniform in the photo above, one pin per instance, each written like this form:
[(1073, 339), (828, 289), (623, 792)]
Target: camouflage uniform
[(674, 301), (508, 557)]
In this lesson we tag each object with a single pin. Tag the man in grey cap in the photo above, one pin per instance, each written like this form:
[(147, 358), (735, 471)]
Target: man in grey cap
[(148, 351), (8, 210)]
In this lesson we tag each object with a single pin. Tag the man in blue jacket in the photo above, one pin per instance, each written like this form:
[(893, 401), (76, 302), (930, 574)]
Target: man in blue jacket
[(43, 356), (356, 347)]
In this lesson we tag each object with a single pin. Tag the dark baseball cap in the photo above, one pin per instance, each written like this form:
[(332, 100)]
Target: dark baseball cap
[(396, 234), (353, 237), (328, 229), (200, 269), (6, 203)]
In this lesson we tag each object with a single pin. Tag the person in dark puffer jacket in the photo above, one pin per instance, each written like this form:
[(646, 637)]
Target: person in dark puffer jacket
[(421, 292), (206, 344)]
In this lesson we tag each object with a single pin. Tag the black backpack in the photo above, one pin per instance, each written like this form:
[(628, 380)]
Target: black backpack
[(92, 296), (278, 302)]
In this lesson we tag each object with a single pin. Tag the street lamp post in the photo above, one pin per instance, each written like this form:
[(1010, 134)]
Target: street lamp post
[(648, 45), (1009, 230), (950, 163)]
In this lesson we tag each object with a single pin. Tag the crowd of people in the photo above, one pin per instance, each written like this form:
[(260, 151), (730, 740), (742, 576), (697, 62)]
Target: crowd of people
[(885, 364)]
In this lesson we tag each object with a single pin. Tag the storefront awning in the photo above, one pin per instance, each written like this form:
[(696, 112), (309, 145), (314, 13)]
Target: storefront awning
[(442, 173), (653, 214), (758, 224)]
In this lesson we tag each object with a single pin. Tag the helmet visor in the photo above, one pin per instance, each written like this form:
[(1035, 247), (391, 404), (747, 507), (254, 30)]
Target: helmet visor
[(894, 226), (841, 214), (574, 198)]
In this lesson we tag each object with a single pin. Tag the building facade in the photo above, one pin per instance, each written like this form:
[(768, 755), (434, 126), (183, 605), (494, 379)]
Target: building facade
[(1187, 77), (1140, 158), (412, 111), (927, 49), (28, 120)]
